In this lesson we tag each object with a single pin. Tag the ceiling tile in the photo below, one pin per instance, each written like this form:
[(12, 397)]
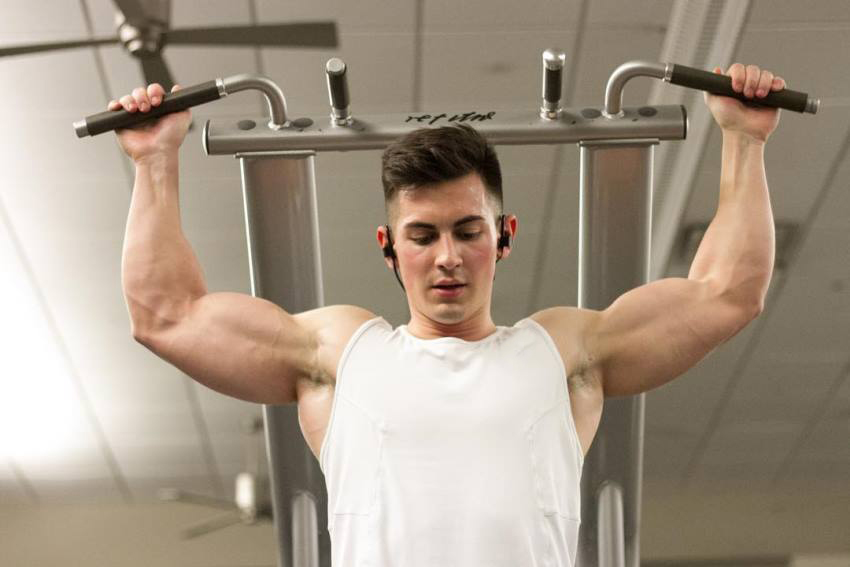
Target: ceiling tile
[(666, 452), (780, 391), (479, 15), (379, 75), (793, 180), (818, 470), (81, 461), (55, 20), (809, 322), (605, 50), (770, 11), (688, 403), (371, 17), (485, 71), (213, 13), (653, 12), (829, 441), (163, 456)]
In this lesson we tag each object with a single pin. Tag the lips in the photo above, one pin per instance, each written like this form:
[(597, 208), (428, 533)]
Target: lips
[(448, 289)]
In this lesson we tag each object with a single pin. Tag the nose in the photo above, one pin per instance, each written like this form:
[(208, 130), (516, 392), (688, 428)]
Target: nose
[(448, 255)]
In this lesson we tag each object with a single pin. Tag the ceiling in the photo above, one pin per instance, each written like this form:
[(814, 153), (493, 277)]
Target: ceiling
[(748, 454)]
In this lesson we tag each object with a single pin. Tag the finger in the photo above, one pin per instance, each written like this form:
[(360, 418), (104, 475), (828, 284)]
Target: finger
[(141, 97), (129, 103), (176, 88), (765, 80), (778, 84), (113, 105), (738, 73), (155, 93), (752, 80)]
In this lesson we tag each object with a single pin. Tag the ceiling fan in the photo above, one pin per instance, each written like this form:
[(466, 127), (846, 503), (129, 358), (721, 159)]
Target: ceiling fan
[(143, 28), (252, 503)]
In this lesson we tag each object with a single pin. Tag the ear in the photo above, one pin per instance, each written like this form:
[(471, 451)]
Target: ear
[(383, 242), (511, 229)]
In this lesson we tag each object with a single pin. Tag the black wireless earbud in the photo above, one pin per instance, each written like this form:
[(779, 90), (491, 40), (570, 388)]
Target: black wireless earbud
[(504, 237), (389, 252)]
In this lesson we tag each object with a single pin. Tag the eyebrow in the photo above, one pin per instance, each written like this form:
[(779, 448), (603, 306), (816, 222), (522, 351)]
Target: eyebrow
[(464, 220)]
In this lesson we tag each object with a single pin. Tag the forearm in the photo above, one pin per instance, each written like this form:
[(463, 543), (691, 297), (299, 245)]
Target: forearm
[(160, 274), (737, 251)]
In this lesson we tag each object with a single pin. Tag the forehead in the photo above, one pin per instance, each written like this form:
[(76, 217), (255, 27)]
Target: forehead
[(446, 201)]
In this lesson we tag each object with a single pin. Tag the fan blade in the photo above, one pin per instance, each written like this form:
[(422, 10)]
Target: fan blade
[(314, 34), (156, 71), (214, 523), (22, 49), (133, 11), (175, 495)]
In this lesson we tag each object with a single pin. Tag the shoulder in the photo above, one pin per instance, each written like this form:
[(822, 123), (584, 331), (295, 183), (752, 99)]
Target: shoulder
[(572, 331), (334, 318), (566, 322), (330, 329)]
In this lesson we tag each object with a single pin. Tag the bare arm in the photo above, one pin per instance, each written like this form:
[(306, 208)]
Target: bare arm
[(239, 345), (654, 333)]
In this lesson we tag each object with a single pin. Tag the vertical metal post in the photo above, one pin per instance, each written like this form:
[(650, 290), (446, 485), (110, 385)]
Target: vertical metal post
[(609, 528), (614, 240), (281, 219)]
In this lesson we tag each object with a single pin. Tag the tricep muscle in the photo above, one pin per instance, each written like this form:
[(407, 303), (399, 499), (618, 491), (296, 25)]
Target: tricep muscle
[(241, 346)]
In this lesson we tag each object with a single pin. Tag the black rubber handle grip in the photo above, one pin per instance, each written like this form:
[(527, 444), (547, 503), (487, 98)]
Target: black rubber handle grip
[(337, 84), (552, 84), (171, 102), (722, 85)]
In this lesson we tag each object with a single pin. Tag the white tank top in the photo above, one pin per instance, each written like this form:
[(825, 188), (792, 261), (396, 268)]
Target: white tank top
[(446, 452)]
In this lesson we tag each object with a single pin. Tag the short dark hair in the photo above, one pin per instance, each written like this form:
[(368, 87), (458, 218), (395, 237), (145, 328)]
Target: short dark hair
[(434, 155)]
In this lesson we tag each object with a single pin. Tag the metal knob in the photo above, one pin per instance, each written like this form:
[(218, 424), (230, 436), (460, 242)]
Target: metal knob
[(338, 91), (553, 70)]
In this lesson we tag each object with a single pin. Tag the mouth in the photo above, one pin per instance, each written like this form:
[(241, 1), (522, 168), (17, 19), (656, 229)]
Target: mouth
[(448, 290)]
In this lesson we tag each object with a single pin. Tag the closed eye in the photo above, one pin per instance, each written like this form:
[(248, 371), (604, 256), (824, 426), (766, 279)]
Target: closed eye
[(422, 240)]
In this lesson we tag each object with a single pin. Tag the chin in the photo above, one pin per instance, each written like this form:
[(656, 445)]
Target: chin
[(448, 314)]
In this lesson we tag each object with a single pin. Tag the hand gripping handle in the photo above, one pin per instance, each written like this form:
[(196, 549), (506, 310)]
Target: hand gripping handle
[(722, 85), (171, 102)]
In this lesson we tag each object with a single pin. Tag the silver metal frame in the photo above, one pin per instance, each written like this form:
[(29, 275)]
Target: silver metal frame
[(615, 228), (318, 134), (278, 177)]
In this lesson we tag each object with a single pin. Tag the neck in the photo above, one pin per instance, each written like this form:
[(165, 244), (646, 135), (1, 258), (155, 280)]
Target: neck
[(473, 329)]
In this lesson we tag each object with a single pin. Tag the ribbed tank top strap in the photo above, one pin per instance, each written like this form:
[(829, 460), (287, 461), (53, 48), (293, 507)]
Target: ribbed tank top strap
[(352, 342)]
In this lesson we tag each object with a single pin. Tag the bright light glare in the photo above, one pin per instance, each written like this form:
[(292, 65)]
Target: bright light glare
[(37, 402)]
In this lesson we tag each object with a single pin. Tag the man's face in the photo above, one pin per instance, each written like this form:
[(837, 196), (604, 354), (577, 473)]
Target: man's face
[(445, 238)]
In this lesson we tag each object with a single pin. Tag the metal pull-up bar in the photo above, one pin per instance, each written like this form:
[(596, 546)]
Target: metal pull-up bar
[(553, 63), (278, 178)]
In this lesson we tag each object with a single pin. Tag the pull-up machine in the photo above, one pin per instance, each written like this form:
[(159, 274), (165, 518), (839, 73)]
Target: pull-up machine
[(617, 143)]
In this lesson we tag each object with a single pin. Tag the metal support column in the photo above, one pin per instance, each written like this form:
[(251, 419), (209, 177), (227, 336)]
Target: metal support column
[(614, 239), (282, 222)]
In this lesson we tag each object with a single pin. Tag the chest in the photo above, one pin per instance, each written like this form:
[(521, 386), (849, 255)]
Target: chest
[(432, 396)]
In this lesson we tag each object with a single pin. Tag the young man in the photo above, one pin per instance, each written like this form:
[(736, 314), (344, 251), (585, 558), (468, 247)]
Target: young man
[(448, 441)]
